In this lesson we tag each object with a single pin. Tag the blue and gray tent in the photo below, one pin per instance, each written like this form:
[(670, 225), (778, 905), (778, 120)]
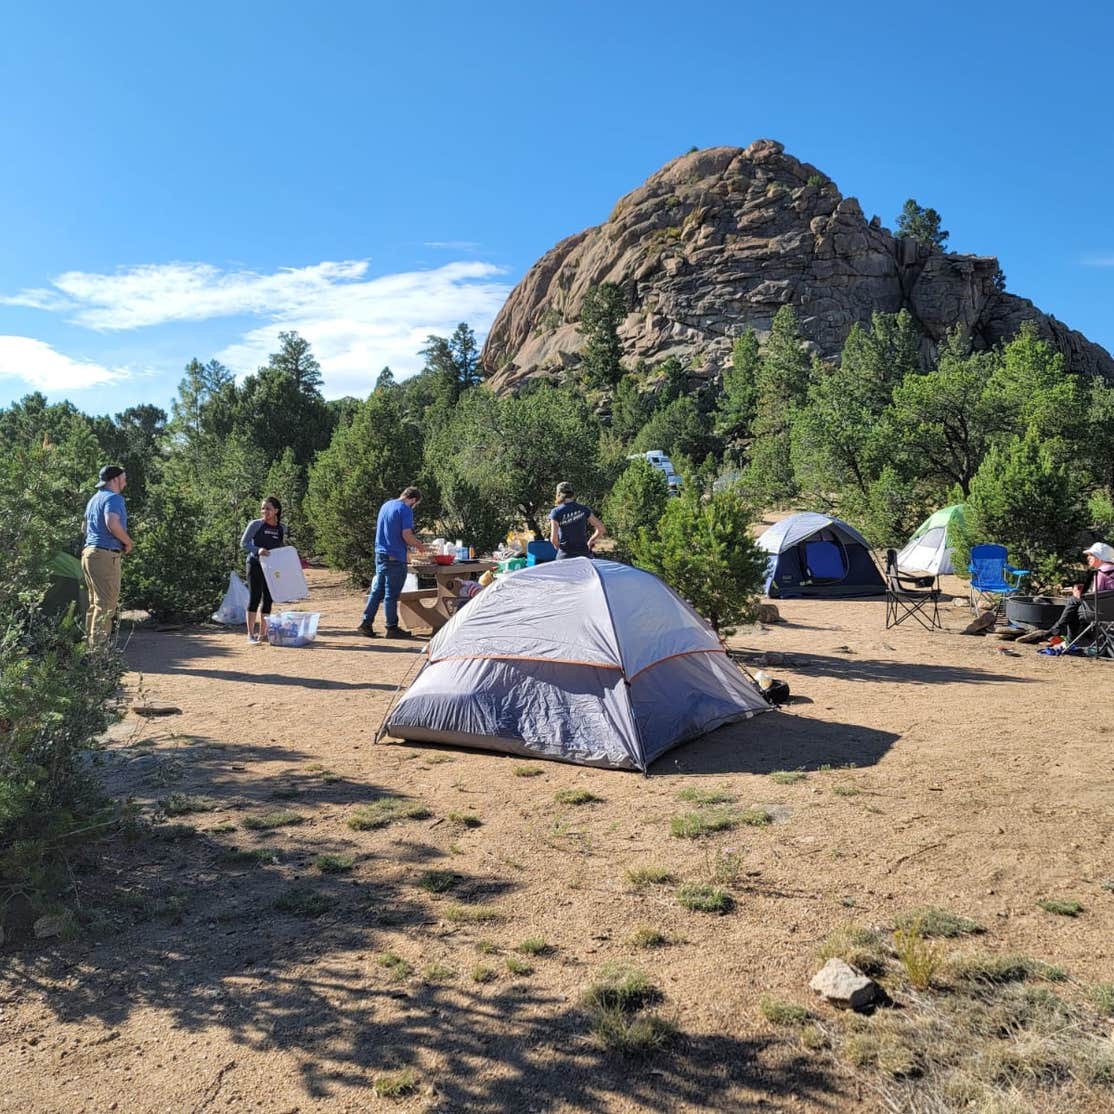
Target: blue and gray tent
[(814, 555), (583, 661)]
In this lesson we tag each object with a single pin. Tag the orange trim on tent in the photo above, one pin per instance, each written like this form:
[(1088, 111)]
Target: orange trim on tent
[(682, 654), (520, 657)]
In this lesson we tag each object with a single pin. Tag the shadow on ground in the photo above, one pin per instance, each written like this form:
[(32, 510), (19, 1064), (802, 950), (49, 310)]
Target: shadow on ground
[(854, 667), (777, 741), (236, 931)]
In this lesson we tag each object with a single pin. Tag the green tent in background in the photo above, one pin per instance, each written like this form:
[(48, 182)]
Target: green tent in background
[(930, 548), (67, 585)]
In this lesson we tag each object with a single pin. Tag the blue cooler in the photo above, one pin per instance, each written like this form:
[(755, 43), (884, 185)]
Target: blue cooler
[(537, 553)]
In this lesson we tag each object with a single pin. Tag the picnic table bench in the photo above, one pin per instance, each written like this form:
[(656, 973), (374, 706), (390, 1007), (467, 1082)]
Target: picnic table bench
[(434, 607)]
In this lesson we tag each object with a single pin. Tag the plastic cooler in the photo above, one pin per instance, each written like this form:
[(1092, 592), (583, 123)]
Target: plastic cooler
[(293, 628), (538, 552)]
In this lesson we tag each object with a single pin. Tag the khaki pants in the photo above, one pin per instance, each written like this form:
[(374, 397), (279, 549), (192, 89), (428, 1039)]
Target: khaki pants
[(102, 575)]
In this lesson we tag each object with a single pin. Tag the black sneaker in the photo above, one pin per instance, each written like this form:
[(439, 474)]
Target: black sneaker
[(397, 632), (365, 630)]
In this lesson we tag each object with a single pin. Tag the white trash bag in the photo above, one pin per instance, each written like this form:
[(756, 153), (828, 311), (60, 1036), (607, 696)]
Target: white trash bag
[(234, 606), (292, 628)]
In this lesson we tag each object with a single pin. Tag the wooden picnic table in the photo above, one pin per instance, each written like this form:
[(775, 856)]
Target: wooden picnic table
[(434, 607)]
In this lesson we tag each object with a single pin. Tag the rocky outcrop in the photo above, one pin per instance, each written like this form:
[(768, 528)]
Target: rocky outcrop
[(718, 240)]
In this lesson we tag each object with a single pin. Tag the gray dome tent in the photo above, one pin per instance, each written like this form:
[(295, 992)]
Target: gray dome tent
[(814, 555), (584, 661)]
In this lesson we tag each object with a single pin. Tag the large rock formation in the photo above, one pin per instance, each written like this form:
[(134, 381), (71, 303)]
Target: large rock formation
[(718, 240)]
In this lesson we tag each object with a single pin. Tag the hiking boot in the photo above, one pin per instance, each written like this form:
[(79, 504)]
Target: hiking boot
[(365, 630), (397, 632)]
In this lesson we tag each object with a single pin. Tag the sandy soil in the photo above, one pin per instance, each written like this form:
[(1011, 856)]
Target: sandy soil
[(940, 771)]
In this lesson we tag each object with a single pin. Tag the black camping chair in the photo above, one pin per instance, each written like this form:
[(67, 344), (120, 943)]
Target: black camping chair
[(1097, 636), (910, 597)]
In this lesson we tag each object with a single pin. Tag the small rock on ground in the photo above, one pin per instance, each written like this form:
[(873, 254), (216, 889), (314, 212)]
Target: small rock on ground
[(839, 983)]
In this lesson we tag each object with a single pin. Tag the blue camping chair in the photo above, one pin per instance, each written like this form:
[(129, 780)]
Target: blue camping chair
[(992, 575)]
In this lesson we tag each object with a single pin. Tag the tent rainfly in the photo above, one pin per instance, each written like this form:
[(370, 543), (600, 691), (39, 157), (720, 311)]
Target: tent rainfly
[(584, 661), (930, 547), (814, 555)]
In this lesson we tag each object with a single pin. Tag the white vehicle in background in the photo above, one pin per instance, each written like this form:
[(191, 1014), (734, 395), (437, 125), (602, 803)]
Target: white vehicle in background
[(657, 459)]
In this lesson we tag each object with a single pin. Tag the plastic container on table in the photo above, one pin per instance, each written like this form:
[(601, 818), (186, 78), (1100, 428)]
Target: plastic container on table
[(512, 564), (293, 628)]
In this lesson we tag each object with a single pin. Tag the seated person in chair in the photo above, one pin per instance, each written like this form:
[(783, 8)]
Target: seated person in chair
[(1100, 578)]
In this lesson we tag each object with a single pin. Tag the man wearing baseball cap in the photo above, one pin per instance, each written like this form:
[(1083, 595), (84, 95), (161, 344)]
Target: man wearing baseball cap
[(1100, 560), (106, 542)]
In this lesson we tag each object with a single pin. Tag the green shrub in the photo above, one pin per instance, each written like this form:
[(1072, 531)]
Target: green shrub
[(703, 550), (55, 700), (637, 502)]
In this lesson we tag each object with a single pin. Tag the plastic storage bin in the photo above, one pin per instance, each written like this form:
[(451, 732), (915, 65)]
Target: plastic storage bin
[(293, 628)]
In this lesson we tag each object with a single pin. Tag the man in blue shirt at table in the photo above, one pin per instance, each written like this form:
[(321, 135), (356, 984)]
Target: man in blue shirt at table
[(106, 542), (394, 537)]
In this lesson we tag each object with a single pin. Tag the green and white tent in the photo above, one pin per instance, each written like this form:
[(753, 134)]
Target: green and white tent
[(930, 548)]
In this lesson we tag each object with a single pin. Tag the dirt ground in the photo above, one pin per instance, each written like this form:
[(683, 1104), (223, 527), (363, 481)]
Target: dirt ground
[(940, 770)]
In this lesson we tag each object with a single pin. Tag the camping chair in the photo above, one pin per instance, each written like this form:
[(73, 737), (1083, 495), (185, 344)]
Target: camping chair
[(1098, 613), (910, 597), (989, 571)]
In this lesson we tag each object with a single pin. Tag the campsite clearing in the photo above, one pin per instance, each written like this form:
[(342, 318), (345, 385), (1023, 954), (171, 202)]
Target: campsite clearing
[(222, 961)]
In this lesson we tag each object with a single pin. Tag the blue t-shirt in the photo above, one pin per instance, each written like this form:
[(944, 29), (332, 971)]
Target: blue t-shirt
[(572, 528), (394, 517), (96, 519)]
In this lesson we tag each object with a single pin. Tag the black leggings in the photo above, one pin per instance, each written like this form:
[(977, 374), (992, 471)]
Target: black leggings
[(257, 588)]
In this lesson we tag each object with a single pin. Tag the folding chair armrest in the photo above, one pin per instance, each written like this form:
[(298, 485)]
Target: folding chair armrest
[(1019, 573)]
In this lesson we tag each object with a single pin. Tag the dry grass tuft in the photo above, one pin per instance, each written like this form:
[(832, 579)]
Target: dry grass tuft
[(615, 1002), (466, 819), (788, 777), (705, 797), (1062, 907), (396, 1085), (700, 897), (334, 864), (646, 937), (920, 958), (280, 818), (437, 881), (386, 810), (303, 902), (650, 876), (778, 1011), (180, 804), (863, 948), (397, 967), (931, 921), (575, 797), (534, 945)]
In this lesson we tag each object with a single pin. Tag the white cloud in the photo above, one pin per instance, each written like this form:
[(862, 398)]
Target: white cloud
[(453, 245), (360, 327), (37, 363), (1099, 261), (355, 324)]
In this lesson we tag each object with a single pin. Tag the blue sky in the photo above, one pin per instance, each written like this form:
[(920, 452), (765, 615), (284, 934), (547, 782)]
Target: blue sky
[(190, 181)]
